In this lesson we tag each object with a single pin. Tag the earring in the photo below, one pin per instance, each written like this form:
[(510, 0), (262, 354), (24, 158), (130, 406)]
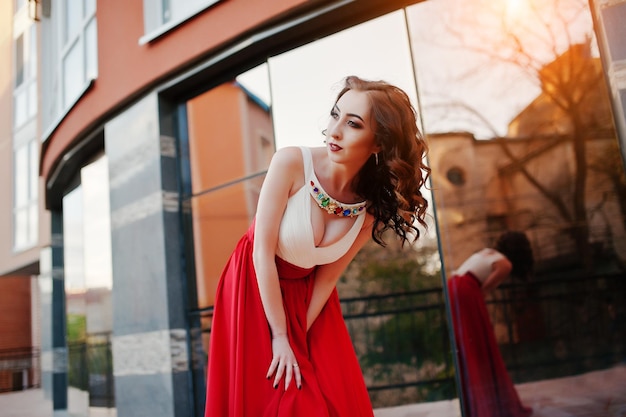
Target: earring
[(376, 156)]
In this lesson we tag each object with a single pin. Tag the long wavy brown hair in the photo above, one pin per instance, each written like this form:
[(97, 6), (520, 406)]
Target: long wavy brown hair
[(393, 186)]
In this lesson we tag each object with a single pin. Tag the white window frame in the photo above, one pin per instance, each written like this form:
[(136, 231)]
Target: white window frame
[(161, 16), (26, 231), (26, 91), (78, 40), (25, 145), (55, 49)]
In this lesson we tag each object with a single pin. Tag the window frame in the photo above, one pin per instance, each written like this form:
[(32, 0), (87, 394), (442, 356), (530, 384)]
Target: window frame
[(67, 41), (26, 183), (25, 60), (25, 144), (156, 26)]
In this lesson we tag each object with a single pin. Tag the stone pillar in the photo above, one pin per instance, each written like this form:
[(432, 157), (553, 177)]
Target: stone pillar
[(150, 354), (610, 25), (52, 301)]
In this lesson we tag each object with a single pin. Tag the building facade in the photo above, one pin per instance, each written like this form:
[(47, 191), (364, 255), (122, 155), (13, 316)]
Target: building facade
[(136, 138)]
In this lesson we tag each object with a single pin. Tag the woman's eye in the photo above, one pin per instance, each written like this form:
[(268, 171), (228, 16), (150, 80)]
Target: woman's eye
[(353, 124)]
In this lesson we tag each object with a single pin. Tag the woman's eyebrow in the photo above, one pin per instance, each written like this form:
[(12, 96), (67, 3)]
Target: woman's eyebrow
[(336, 108)]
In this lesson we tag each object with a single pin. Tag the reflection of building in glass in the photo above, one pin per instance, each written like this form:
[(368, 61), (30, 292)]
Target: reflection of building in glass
[(231, 142), (559, 178), (552, 176)]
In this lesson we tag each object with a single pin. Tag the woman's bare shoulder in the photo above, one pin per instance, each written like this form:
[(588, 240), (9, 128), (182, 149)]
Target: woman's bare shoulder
[(288, 158)]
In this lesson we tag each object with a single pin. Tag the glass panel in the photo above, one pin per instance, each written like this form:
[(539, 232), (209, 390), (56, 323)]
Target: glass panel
[(73, 74), (20, 108), (32, 99), (21, 172), (75, 302), (33, 223), (166, 11), (99, 286), (229, 120), (19, 60), (392, 297), (97, 252), (20, 231), (90, 8), (231, 142), (32, 51), (178, 10), (33, 170), (220, 218), (359, 50), (88, 288), (73, 19), (521, 139), (91, 50)]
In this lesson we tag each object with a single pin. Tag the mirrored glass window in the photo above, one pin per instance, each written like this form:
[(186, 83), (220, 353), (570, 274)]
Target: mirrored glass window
[(88, 291), (528, 184), (231, 142)]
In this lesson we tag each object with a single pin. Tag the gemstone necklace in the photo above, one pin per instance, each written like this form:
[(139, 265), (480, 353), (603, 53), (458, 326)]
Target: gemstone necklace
[(332, 206)]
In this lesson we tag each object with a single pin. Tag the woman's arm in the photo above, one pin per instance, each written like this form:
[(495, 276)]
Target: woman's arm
[(500, 269), (326, 276), (278, 185)]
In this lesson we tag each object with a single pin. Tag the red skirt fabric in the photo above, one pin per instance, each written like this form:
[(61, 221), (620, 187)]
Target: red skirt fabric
[(240, 349), (487, 388)]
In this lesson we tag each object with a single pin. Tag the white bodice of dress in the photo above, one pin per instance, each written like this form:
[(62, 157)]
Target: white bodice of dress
[(480, 264), (296, 242)]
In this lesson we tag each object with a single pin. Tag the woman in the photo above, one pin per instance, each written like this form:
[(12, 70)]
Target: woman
[(279, 345), (488, 390)]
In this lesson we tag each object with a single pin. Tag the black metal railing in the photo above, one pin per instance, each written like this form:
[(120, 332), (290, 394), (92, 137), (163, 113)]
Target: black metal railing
[(20, 368), (401, 340), (555, 326), (90, 369), (561, 325)]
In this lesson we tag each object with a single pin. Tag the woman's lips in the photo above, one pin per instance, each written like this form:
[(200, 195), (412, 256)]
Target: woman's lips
[(333, 147)]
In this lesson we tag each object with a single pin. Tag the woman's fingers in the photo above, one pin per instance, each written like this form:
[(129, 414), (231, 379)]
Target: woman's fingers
[(290, 372), (284, 364), (272, 368), (288, 375), (279, 374), (298, 375)]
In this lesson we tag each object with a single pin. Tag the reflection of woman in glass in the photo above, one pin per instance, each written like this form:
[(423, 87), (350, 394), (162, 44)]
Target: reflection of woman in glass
[(487, 387), (279, 345)]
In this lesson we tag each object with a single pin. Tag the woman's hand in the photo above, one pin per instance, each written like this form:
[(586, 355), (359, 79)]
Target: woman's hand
[(284, 363)]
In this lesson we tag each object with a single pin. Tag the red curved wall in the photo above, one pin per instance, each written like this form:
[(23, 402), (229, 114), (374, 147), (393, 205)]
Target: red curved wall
[(126, 67)]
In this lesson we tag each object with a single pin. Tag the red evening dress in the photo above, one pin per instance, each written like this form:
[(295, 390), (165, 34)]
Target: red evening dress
[(488, 390), (240, 349)]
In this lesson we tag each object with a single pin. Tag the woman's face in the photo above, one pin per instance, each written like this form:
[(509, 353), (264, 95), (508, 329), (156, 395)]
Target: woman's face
[(351, 129)]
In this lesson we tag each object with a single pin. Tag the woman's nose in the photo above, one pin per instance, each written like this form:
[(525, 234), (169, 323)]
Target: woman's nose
[(334, 130)]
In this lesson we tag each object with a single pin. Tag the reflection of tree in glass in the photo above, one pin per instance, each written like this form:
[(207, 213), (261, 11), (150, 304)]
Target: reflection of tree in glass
[(396, 317), (549, 43), (76, 337), (76, 328)]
